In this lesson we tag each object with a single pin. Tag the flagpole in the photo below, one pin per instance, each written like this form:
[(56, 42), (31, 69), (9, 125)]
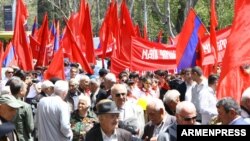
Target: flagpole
[(13, 13)]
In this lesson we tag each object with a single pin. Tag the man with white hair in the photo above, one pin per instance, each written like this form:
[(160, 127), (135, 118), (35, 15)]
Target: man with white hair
[(109, 81), (53, 115), (171, 99), (159, 119), (72, 97)]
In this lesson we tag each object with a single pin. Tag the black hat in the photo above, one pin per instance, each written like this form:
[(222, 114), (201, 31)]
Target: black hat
[(106, 106)]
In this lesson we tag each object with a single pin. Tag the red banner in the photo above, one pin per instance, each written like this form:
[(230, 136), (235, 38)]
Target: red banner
[(207, 51), (149, 56)]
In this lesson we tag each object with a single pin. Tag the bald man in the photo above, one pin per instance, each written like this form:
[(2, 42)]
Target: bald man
[(185, 115)]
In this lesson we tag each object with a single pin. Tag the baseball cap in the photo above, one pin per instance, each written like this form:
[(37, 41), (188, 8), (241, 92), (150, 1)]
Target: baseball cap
[(10, 100)]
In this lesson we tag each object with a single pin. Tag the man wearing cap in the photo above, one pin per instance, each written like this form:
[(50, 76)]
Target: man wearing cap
[(8, 109), (108, 128)]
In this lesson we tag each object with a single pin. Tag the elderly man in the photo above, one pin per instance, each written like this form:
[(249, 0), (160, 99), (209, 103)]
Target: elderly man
[(171, 99), (109, 81), (84, 84), (8, 74), (72, 97), (8, 109), (23, 120), (185, 115), (108, 115), (159, 119), (53, 115), (229, 112), (128, 109)]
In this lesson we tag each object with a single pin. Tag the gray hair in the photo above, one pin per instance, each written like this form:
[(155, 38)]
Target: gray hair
[(74, 81), (156, 103), (110, 77), (228, 104), (85, 98), (61, 87), (84, 77), (184, 106), (95, 82), (171, 95)]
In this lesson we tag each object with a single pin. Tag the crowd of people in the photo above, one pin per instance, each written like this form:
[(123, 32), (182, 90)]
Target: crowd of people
[(105, 107)]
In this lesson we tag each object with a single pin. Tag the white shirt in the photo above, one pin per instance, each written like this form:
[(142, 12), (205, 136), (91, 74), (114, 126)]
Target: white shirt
[(53, 119), (188, 94), (207, 105), (196, 96), (113, 137)]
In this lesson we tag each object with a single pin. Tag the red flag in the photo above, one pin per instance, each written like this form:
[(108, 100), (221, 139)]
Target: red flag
[(69, 44), (19, 38), (87, 33), (213, 25), (127, 31), (44, 40), (34, 44), (56, 67), (233, 79)]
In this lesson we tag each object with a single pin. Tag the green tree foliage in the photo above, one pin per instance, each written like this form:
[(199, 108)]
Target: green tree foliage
[(60, 9)]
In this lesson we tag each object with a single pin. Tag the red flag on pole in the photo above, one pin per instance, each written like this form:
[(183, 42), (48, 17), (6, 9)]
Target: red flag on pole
[(56, 67), (234, 77), (213, 25), (69, 44), (20, 43)]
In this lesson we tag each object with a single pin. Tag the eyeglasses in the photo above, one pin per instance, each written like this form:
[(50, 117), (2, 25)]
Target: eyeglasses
[(189, 118), (10, 72), (119, 94)]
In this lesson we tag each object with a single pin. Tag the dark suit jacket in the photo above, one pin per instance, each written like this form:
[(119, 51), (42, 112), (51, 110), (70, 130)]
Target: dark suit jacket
[(149, 127), (182, 89), (96, 135)]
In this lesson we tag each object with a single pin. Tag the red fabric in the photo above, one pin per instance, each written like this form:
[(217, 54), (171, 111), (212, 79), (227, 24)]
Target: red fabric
[(87, 32), (232, 80), (150, 56), (56, 67), (24, 15), (22, 49), (207, 56), (213, 25), (127, 31), (44, 40), (69, 44), (34, 45), (187, 32)]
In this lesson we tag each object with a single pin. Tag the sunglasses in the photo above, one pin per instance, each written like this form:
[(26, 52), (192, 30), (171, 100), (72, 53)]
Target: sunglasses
[(189, 118), (10, 72), (119, 94)]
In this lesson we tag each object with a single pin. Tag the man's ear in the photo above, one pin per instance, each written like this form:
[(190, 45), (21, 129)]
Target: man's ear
[(162, 111)]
